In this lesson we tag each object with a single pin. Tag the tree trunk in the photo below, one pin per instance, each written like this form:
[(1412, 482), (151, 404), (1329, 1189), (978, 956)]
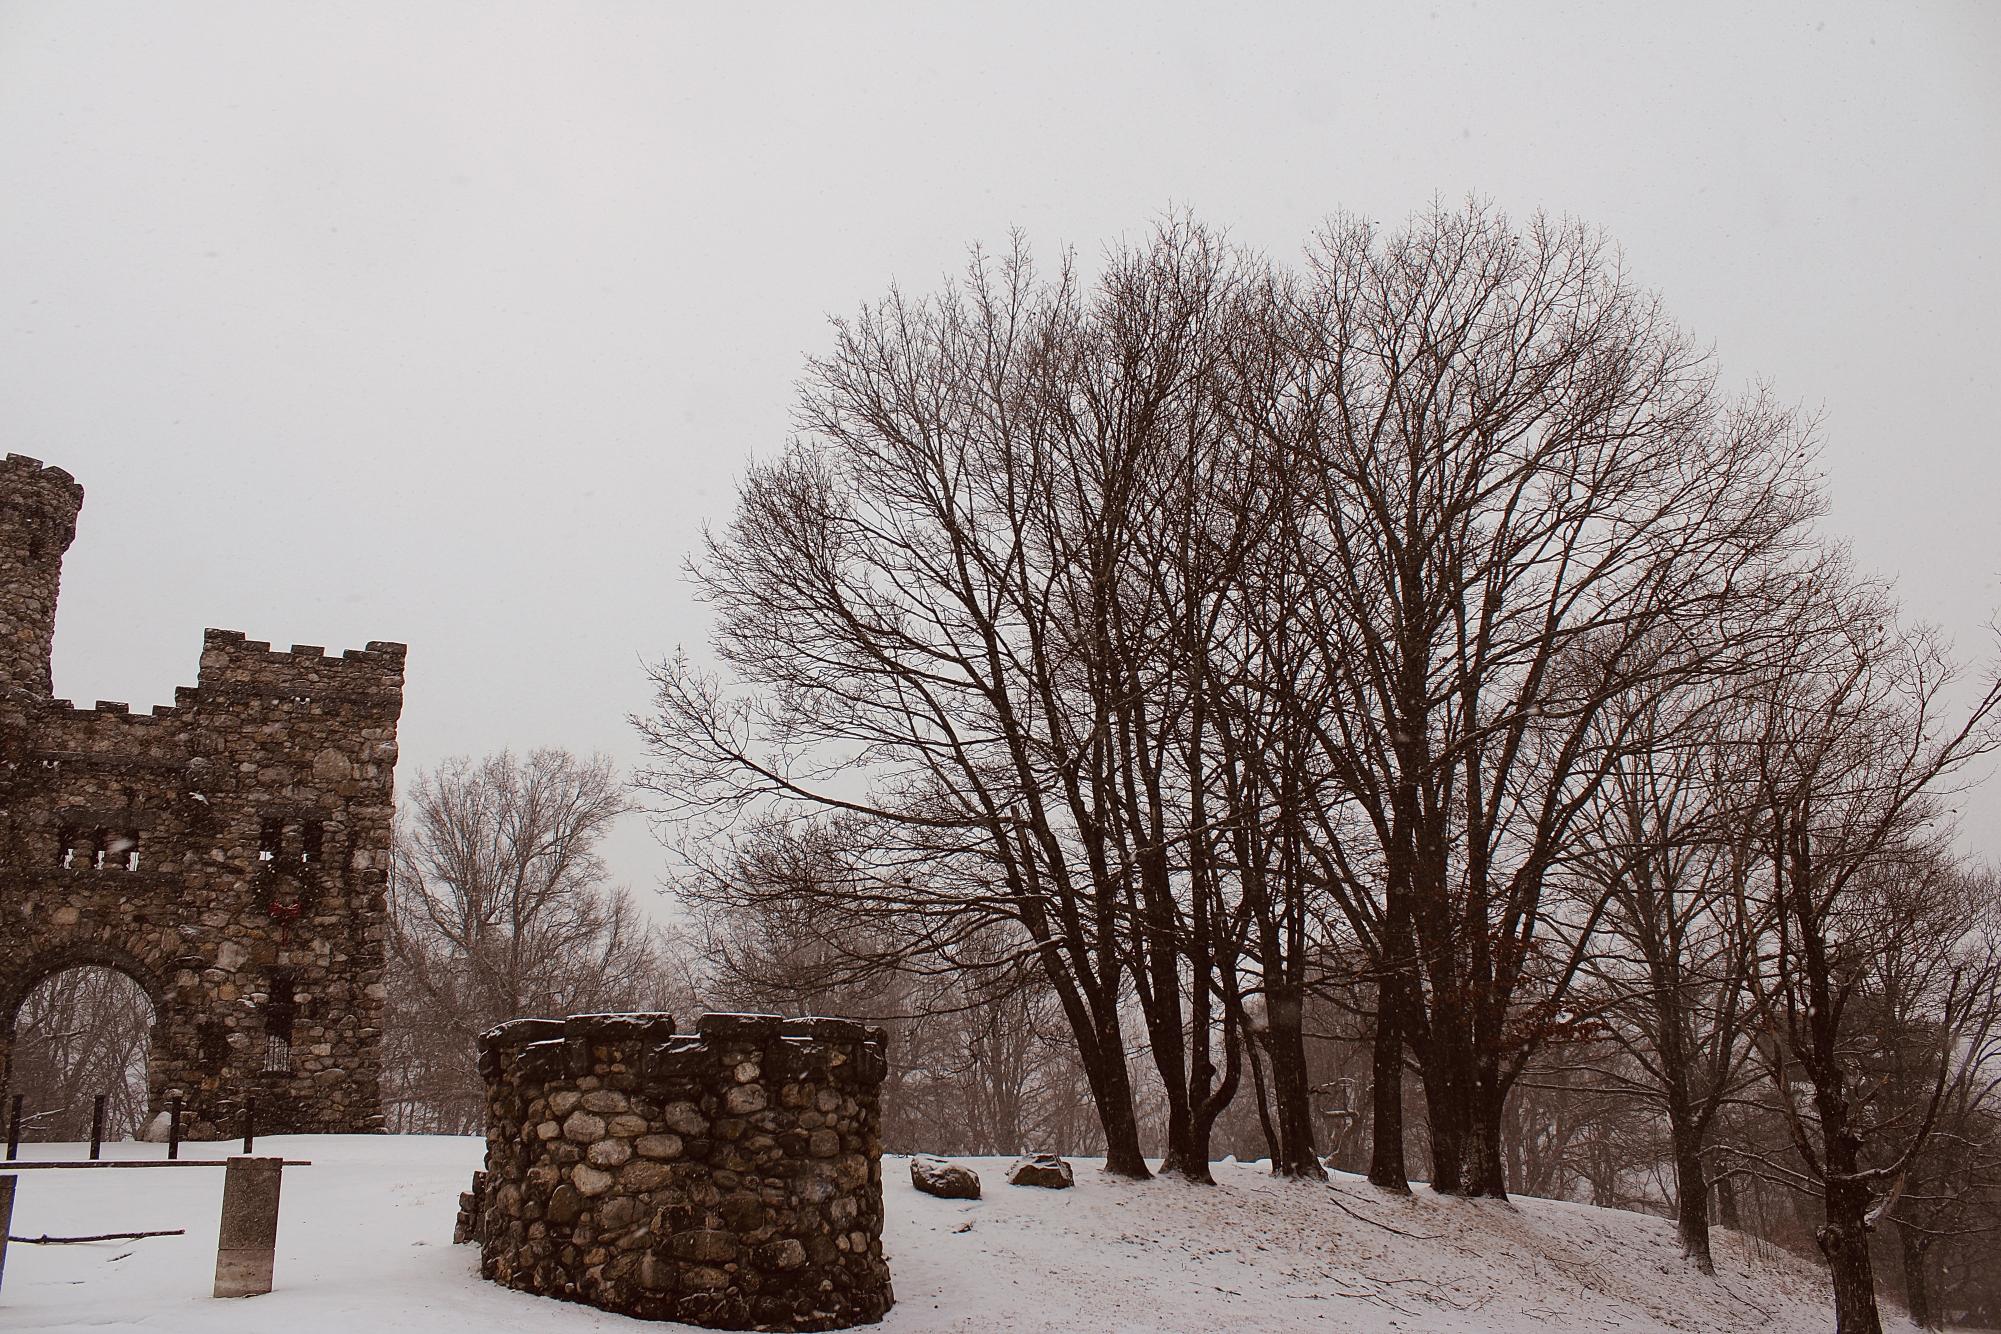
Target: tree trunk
[(1445, 1105), (1291, 1089), (1265, 1124), (1916, 1249), (1111, 1090), (1486, 1171), (1187, 1150), (1691, 1198), (1101, 1050), (1728, 1212), (1844, 1241), (1386, 1158)]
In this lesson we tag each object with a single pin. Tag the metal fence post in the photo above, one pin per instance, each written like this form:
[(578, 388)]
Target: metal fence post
[(6, 1215), (97, 1129), (174, 1128)]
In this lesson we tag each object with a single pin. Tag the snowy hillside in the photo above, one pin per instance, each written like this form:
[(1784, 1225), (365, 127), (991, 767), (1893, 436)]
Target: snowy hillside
[(364, 1245)]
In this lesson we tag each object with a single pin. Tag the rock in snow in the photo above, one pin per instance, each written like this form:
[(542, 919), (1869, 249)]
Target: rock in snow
[(948, 1181), (1044, 1169)]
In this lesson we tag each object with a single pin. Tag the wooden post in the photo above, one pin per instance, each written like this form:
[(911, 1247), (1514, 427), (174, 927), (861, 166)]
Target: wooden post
[(249, 1122), (14, 1129), (6, 1215), (174, 1128), (248, 1241), (97, 1129)]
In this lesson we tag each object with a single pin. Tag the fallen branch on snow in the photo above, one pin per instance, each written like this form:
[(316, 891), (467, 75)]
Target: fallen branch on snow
[(47, 1240), (1361, 1217)]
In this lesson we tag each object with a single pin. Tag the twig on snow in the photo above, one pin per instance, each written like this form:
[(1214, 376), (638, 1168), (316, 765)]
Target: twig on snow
[(46, 1240), (1361, 1217)]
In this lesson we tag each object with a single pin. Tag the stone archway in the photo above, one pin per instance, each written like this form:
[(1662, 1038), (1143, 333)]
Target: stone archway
[(84, 1028)]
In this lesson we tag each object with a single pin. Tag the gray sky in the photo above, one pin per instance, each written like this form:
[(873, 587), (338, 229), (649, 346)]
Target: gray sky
[(453, 323)]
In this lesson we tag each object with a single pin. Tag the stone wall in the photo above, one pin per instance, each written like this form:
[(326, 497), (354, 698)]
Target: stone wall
[(229, 852), (730, 1178)]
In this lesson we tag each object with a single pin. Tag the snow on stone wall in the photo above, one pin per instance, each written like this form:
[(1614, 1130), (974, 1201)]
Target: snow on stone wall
[(730, 1178)]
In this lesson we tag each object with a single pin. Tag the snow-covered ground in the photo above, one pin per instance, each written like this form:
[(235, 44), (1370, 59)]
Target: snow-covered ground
[(364, 1245)]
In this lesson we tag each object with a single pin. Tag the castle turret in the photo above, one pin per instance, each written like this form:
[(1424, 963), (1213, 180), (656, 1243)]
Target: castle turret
[(38, 509)]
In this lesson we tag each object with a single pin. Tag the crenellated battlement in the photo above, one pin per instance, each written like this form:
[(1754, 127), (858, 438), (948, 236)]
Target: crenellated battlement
[(56, 711), (243, 669), (29, 485)]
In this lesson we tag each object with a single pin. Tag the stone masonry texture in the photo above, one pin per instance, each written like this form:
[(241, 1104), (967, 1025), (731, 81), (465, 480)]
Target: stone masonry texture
[(229, 852), (730, 1178)]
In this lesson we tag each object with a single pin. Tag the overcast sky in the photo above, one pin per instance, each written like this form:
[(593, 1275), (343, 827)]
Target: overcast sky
[(454, 323)]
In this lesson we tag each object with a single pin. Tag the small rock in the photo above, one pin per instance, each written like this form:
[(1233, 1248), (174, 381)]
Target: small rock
[(703, 1278), (684, 1118), (784, 1254), (948, 1181), (608, 1153), (705, 1246), (565, 1203), (641, 1175), (620, 1211), (1043, 1169), (589, 1180), (744, 1099), (655, 1274)]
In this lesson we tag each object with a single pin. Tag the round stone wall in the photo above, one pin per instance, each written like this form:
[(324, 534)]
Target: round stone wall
[(730, 1178)]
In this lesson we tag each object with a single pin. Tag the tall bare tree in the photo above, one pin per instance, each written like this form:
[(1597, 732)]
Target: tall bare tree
[(500, 908), (1946, 1194), (1528, 502), (1664, 857), (1851, 746), (962, 606)]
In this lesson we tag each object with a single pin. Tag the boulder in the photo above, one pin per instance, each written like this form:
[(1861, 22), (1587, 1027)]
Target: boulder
[(948, 1181), (1042, 1169)]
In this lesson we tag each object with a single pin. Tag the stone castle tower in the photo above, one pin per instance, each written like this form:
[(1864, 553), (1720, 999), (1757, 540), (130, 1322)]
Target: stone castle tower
[(38, 510), (229, 852)]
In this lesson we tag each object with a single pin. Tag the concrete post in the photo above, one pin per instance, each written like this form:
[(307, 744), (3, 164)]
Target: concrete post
[(248, 1241)]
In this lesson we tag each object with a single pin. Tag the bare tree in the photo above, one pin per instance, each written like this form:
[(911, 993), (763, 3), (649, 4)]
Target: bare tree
[(962, 607), (1668, 971), (978, 1061), (1946, 1194), (500, 908), (1850, 748), (1527, 502)]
